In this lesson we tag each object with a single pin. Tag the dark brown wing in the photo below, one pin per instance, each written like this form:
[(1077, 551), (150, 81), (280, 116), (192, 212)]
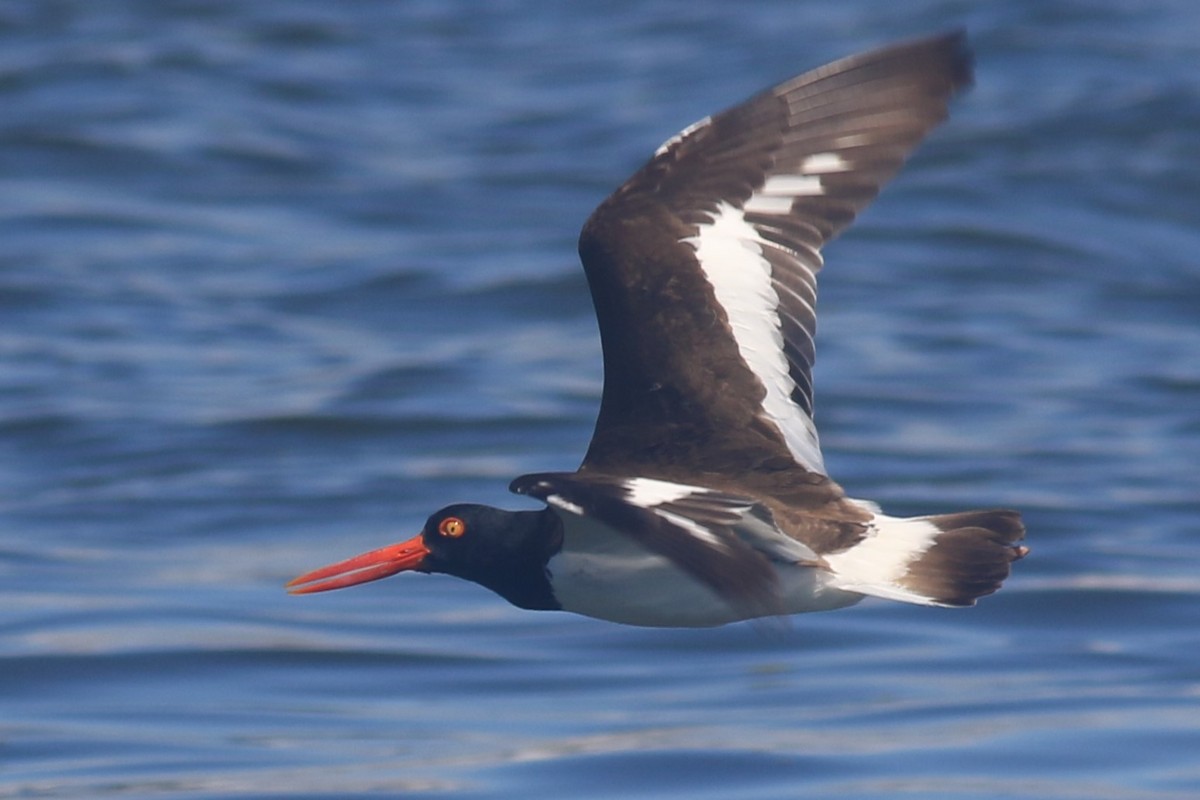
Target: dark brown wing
[(703, 265)]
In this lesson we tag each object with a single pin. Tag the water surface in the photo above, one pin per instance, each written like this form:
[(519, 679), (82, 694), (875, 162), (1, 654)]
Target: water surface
[(279, 279)]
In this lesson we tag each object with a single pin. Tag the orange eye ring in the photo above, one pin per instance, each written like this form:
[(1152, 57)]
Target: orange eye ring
[(453, 527)]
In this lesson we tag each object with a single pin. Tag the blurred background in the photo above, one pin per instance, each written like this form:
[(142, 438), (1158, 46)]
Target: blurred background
[(278, 279)]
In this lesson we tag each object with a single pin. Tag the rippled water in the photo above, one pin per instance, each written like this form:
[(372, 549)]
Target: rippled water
[(280, 278)]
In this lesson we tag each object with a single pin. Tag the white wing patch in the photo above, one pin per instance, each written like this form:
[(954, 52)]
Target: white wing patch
[(646, 492), (824, 163), (558, 501), (650, 494), (779, 191), (730, 252)]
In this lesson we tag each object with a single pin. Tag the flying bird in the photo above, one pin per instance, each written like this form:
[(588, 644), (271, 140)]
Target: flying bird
[(703, 497)]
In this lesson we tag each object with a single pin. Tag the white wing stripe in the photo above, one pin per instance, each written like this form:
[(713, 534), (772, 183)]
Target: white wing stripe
[(730, 253), (792, 185), (647, 492), (779, 191), (565, 504), (822, 163), (769, 204), (694, 528)]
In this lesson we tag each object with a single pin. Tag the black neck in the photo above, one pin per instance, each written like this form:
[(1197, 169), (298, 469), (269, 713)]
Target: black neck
[(514, 564)]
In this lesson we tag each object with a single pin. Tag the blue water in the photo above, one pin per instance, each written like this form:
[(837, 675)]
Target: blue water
[(280, 278)]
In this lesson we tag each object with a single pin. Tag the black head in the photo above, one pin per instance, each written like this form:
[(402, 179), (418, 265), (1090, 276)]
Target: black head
[(506, 551)]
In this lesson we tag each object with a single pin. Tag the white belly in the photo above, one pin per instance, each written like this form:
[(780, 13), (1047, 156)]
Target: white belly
[(607, 575)]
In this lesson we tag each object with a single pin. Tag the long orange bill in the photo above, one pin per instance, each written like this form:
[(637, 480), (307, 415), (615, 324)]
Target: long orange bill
[(362, 568)]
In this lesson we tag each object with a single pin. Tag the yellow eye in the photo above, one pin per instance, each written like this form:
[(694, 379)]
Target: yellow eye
[(452, 527)]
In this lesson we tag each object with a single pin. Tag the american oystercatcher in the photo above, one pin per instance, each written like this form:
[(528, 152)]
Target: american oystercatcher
[(703, 497)]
